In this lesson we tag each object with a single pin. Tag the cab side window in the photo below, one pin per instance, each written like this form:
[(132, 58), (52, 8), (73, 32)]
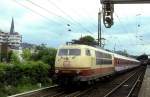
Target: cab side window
[(87, 52)]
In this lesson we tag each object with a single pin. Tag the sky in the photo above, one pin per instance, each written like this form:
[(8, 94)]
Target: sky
[(46, 21)]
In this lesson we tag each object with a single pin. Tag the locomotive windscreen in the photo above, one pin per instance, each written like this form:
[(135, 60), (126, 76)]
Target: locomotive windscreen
[(71, 52)]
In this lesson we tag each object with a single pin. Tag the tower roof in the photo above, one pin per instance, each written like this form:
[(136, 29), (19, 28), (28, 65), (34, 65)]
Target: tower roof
[(12, 29)]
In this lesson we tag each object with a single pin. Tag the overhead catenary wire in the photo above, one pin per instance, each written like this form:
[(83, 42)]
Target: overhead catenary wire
[(139, 38), (33, 11), (77, 14), (135, 43), (112, 38), (50, 12), (88, 16), (123, 27), (72, 19), (43, 16), (71, 9), (61, 16), (58, 8)]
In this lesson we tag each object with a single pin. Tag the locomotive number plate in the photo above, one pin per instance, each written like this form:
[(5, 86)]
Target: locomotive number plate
[(66, 64)]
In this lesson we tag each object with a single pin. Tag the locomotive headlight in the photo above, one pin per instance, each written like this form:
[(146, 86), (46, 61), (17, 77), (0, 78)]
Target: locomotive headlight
[(78, 71), (56, 71)]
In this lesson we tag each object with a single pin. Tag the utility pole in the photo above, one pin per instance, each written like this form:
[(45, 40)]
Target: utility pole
[(99, 29)]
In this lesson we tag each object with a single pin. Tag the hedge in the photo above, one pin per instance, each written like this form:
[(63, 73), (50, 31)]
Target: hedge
[(31, 73)]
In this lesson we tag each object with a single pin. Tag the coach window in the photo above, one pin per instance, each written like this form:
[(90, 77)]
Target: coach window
[(88, 53), (109, 56)]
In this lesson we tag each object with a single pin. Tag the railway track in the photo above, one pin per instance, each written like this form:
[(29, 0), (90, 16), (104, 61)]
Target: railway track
[(124, 86), (130, 82), (112, 88), (127, 87), (39, 92)]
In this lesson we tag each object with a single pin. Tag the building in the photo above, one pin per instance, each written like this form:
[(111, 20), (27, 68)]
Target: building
[(10, 41)]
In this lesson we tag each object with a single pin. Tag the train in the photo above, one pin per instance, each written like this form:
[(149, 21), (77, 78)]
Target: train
[(78, 63)]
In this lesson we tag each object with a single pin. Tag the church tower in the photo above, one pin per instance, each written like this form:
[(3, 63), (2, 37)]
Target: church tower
[(12, 29)]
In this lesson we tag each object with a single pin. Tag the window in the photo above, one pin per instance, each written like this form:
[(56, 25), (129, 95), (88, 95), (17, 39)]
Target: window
[(98, 54), (102, 55), (74, 52), (98, 62), (103, 62), (88, 53), (71, 52), (63, 52), (107, 61), (103, 58)]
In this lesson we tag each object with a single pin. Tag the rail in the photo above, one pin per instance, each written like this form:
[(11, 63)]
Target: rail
[(117, 89), (29, 93)]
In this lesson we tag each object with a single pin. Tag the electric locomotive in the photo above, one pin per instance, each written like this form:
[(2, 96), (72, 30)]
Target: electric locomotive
[(82, 63)]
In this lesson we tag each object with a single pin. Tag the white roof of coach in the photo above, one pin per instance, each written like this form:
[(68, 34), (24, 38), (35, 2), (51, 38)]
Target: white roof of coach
[(124, 57)]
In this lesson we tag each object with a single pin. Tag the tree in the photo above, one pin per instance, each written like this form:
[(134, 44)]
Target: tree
[(9, 56), (14, 58), (87, 40), (142, 57), (41, 47), (46, 55), (124, 53), (26, 55)]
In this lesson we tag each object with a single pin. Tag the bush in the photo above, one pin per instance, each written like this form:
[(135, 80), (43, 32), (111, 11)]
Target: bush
[(46, 55), (14, 76), (38, 72), (26, 54)]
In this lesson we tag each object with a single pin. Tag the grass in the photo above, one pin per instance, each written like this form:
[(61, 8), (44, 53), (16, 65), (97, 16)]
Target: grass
[(26, 87), (11, 90)]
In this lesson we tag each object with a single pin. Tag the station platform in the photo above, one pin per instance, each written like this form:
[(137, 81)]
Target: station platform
[(145, 88)]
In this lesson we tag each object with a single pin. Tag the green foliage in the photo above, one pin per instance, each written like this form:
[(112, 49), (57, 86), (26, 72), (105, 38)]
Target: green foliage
[(142, 57), (41, 47), (87, 40), (26, 54), (15, 77), (19, 76), (9, 56), (14, 58), (124, 53), (25, 87), (3, 56), (46, 55)]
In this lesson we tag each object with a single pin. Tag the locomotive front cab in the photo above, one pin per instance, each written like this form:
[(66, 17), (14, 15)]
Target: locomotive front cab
[(72, 57), (71, 61)]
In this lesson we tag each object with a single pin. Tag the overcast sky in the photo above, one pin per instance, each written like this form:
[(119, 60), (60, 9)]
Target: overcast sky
[(45, 21)]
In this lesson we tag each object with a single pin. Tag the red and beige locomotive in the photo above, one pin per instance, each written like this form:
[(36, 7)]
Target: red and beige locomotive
[(82, 63)]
